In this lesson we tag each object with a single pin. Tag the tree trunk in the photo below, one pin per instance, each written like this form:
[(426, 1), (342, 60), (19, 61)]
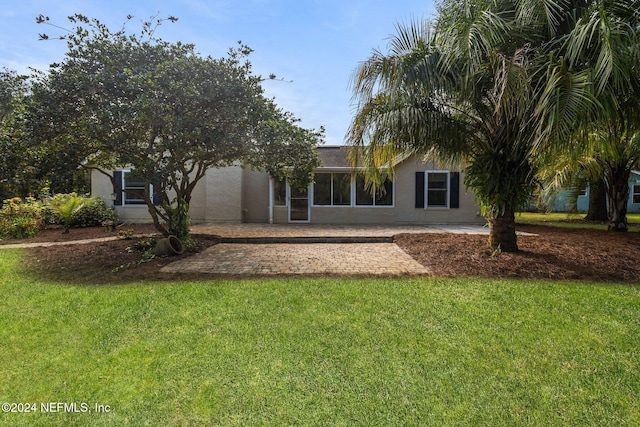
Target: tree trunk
[(502, 232), (618, 193), (597, 201)]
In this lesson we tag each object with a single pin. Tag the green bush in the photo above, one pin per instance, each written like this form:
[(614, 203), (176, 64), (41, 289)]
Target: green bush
[(94, 212), (20, 219), (24, 218)]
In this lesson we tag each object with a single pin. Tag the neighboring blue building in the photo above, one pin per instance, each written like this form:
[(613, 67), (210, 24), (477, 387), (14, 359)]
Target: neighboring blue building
[(561, 204)]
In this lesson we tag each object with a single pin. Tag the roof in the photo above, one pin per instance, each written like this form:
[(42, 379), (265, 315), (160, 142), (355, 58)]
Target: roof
[(334, 156)]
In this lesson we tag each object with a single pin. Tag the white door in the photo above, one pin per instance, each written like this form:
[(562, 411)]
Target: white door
[(298, 205)]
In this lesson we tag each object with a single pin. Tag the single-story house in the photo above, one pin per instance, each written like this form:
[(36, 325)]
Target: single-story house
[(421, 193), (561, 200)]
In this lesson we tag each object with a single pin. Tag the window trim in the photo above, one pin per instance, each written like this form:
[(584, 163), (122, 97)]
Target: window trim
[(124, 172), (332, 205), (447, 205), (353, 192), (634, 193)]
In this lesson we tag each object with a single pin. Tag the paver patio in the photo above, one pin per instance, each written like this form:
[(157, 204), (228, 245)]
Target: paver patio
[(353, 259)]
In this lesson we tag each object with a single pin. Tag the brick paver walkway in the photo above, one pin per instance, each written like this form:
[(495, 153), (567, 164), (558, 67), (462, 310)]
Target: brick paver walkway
[(352, 259)]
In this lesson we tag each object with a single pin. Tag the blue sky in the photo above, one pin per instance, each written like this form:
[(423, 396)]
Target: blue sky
[(315, 43)]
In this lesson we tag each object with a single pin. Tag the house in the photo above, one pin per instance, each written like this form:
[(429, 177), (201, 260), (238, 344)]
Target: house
[(561, 201), (421, 193)]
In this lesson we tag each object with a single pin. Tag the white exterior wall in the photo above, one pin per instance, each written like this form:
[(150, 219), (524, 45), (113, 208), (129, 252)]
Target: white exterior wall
[(223, 195)]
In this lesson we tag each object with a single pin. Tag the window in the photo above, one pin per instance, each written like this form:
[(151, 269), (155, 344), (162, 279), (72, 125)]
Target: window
[(364, 197), (279, 192), (341, 189), (133, 186), (636, 193), (437, 189), (332, 189)]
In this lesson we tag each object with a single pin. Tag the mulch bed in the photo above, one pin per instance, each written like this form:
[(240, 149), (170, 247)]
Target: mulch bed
[(555, 253)]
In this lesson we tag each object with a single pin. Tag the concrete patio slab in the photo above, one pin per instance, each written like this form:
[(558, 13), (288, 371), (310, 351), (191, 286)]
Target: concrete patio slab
[(248, 230)]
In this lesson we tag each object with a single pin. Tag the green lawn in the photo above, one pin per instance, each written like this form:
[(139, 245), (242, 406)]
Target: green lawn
[(320, 352), (570, 220)]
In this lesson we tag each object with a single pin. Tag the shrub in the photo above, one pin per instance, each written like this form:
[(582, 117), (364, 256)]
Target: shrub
[(24, 218), (93, 212), (67, 206), (20, 219)]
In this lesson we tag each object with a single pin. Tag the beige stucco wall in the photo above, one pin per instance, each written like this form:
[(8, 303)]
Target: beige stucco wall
[(403, 211), (235, 194)]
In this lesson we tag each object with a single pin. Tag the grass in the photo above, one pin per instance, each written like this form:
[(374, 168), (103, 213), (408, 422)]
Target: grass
[(320, 352), (571, 220)]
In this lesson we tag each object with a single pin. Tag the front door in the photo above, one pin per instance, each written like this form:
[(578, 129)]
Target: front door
[(298, 205)]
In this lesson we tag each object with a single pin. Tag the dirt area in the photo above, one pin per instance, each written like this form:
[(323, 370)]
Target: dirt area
[(555, 253)]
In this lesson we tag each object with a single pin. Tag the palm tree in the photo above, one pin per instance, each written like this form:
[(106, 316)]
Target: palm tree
[(66, 206), (458, 91), (495, 85), (588, 80)]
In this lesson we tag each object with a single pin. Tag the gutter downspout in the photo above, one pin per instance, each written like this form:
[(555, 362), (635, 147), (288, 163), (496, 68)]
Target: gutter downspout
[(271, 202)]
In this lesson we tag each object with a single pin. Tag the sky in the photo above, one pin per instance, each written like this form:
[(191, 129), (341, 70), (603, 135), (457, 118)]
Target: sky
[(313, 45)]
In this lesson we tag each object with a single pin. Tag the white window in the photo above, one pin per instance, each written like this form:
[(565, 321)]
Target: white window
[(437, 189), (344, 189), (365, 198), (332, 189), (133, 188)]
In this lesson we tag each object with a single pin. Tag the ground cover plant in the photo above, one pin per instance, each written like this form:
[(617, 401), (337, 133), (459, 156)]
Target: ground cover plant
[(323, 351)]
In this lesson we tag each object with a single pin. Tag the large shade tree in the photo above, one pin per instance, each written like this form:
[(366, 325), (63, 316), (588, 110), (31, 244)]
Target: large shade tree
[(161, 108), (17, 175)]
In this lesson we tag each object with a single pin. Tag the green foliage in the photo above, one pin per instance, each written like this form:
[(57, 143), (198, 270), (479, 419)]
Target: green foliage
[(147, 249), (494, 85), (20, 219), (179, 220), (65, 206), (93, 212), (166, 111), (88, 211), (24, 218)]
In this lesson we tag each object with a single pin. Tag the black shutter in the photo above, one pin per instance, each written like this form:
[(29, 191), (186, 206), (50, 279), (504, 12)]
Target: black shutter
[(454, 190), (420, 190), (117, 188)]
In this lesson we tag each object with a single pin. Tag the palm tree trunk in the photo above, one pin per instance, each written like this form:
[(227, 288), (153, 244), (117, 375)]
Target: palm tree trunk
[(502, 232), (618, 193), (597, 201)]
